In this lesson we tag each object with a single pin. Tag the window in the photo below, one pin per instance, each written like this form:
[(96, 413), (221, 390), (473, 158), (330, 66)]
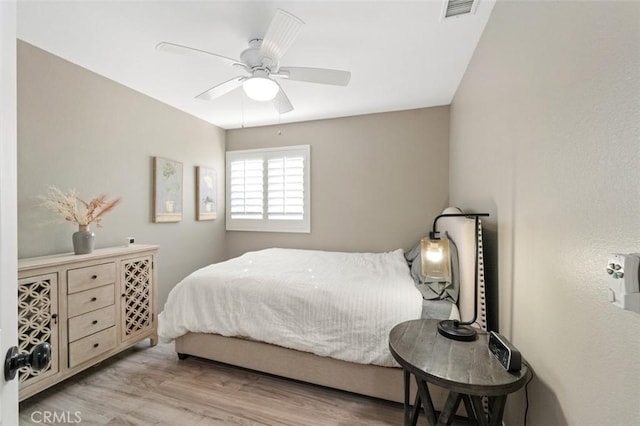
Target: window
[(268, 189)]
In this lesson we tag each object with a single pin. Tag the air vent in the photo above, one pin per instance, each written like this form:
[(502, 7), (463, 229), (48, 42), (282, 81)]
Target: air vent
[(456, 8)]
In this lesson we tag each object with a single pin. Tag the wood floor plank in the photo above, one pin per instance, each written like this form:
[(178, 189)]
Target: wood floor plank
[(150, 386)]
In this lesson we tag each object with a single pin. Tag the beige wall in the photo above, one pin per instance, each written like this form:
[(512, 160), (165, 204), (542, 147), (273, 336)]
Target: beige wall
[(79, 130), (376, 180), (545, 135)]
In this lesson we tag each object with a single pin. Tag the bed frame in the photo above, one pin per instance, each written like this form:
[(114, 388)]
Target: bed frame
[(370, 380)]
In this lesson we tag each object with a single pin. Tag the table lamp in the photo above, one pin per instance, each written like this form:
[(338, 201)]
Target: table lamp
[(435, 256)]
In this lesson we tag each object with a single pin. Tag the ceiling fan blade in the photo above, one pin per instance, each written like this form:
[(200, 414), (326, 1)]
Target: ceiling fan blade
[(190, 51), (281, 34), (221, 89), (282, 102), (315, 75)]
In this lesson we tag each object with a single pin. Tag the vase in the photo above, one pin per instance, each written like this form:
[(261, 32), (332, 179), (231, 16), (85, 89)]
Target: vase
[(83, 240)]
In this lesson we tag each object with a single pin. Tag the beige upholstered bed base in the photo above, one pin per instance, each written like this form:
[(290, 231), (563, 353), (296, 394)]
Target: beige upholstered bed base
[(370, 380)]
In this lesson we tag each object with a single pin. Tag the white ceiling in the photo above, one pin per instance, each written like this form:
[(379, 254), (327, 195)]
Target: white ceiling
[(400, 54)]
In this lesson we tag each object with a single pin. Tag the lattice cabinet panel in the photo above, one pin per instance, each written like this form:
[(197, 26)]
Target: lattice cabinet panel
[(137, 296), (38, 321)]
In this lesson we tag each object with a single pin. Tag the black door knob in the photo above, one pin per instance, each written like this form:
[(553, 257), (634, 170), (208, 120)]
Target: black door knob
[(38, 359)]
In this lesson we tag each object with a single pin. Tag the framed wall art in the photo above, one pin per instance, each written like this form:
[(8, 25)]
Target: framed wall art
[(167, 190), (206, 194)]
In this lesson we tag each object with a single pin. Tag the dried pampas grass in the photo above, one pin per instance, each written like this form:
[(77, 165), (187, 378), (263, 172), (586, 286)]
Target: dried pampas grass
[(74, 209)]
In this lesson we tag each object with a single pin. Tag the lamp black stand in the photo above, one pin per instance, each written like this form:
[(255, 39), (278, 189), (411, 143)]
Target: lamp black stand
[(454, 329)]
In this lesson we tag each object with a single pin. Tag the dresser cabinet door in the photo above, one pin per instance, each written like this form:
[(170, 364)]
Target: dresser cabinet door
[(136, 302), (38, 322)]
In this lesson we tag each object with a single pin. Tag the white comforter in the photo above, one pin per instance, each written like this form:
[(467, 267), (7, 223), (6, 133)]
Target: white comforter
[(340, 305)]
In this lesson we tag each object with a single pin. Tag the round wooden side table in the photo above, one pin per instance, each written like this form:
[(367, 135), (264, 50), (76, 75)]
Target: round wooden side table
[(467, 370)]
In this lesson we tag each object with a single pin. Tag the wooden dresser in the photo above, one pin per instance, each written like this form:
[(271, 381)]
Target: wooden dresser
[(88, 307)]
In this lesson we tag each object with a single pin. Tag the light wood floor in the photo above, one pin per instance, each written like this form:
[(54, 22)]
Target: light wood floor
[(149, 386)]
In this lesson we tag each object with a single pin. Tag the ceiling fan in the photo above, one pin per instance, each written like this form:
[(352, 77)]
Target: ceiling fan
[(262, 62)]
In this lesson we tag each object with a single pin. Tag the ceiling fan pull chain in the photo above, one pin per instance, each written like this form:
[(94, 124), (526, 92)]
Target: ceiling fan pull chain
[(279, 117)]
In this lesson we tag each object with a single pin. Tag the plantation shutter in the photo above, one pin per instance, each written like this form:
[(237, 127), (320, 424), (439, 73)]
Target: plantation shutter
[(246, 189), (285, 191), (269, 189)]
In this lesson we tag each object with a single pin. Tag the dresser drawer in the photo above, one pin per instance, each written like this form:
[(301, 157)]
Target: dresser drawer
[(89, 277), (91, 346), (90, 300), (91, 322)]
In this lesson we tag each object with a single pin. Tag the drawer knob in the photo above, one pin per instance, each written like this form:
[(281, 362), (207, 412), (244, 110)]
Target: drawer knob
[(95, 345), (94, 322), (93, 299), (94, 277)]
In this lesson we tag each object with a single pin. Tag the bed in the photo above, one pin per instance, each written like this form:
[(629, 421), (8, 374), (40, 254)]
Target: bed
[(315, 316)]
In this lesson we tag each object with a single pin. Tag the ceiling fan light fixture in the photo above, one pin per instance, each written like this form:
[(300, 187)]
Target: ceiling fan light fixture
[(260, 88)]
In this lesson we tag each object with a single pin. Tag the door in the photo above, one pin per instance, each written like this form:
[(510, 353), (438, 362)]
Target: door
[(136, 304), (38, 323), (8, 207)]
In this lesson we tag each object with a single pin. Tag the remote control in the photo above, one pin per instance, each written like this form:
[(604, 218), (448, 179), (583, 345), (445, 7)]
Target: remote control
[(507, 354)]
